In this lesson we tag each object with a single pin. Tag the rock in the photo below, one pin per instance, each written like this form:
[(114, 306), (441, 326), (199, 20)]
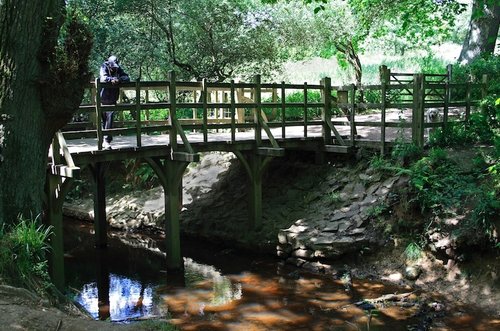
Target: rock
[(303, 253), (412, 272)]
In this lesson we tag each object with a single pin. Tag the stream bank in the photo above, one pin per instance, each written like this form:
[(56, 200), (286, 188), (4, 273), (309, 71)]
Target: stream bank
[(319, 217)]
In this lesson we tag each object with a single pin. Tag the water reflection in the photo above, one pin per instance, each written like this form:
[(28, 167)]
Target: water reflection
[(119, 298), (224, 290), (123, 299)]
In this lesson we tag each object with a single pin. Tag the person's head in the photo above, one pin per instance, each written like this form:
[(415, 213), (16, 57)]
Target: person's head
[(113, 62)]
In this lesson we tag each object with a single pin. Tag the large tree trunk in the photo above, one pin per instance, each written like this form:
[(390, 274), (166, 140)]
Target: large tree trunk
[(36, 99), (483, 30)]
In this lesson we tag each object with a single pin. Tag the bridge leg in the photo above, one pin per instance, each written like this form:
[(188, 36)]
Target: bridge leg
[(100, 222), (254, 165), (55, 218), (170, 175), (255, 192), (56, 190)]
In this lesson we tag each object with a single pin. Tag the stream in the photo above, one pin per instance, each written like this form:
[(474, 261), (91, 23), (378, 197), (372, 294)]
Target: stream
[(223, 289)]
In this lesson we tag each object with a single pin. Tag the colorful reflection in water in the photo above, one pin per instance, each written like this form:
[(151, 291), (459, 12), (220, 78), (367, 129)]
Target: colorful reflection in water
[(127, 299), (225, 290)]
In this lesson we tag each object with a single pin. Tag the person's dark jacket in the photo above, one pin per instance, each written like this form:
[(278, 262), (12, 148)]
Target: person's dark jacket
[(109, 95)]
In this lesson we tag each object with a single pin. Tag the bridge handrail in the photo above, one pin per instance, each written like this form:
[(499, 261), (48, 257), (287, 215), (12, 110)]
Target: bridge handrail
[(222, 108)]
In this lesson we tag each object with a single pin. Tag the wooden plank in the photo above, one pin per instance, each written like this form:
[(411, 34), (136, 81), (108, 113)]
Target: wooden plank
[(305, 109), (172, 92), (352, 114), (186, 157), (138, 113), (180, 131), (283, 109), (338, 149), (270, 151), (204, 100), (64, 171), (232, 96), (257, 117), (326, 97), (98, 111)]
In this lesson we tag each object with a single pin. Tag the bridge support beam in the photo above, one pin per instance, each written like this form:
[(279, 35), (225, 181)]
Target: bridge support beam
[(255, 165), (56, 189), (170, 174), (98, 171)]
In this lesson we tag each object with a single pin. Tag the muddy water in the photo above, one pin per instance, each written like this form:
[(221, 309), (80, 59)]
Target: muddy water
[(221, 289)]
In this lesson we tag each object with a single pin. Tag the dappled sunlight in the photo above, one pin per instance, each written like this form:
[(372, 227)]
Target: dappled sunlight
[(224, 290)]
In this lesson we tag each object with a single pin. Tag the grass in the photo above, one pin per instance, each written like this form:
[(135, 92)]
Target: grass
[(23, 249)]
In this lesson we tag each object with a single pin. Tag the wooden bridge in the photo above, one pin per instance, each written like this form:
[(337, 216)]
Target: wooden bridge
[(252, 120)]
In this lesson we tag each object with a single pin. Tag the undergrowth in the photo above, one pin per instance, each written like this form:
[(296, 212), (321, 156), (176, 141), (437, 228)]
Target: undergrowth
[(454, 194), (23, 260)]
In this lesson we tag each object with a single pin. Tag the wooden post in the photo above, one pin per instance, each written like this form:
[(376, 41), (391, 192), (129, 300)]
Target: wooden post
[(103, 285), (173, 111), (172, 224), (283, 110), (98, 114), (305, 109), (418, 111), (195, 98), (233, 112), (327, 109), (255, 192), (446, 104), (55, 217), (384, 80), (169, 174), (352, 114), (147, 101), (138, 112), (449, 72), (385, 74), (254, 165), (484, 86), (257, 112), (100, 222), (204, 97), (274, 99), (467, 100), (216, 110)]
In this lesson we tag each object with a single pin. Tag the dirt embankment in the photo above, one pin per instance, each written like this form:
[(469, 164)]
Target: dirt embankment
[(314, 214), (332, 201)]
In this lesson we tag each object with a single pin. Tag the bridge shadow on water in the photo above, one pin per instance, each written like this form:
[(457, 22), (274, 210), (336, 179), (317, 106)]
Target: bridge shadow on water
[(222, 289)]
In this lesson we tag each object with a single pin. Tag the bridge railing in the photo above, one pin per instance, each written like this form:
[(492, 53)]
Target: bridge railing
[(174, 107)]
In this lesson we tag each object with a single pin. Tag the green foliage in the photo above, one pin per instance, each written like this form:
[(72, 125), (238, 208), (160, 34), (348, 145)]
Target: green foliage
[(482, 127), (198, 38), (140, 175), (438, 186), (297, 113), (157, 325), (377, 210), (334, 197), (23, 249), (407, 63), (474, 72), (404, 152), (413, 251)]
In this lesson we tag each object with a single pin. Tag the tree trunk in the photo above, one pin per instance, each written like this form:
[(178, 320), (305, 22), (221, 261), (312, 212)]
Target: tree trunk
[(36, 98), (483, 30)]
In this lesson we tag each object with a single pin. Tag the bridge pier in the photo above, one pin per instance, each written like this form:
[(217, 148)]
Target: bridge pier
[(170, 174), (98, 171), (255, 164), (56, 188)]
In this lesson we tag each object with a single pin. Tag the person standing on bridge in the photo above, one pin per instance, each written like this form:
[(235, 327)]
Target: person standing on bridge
[(110, 72)]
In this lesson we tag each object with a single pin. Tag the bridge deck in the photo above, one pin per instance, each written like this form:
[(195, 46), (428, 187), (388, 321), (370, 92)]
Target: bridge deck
[(80, 147)]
